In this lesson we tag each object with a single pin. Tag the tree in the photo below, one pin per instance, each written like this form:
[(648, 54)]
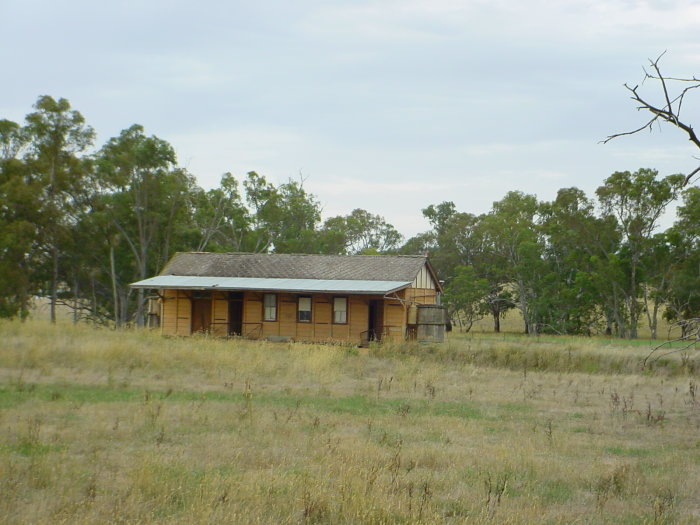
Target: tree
[(636, 201), (13, 139), (658, 265), (221, 220), (457, 236), (574, 237), (511, 235), (683, 294), (463, 239), (465, 297), (356, 233), (57, 136), (19, 217), (669, 108), (284, 218), (147, 202)]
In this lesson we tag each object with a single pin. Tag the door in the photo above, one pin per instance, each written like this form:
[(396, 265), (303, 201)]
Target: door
[(201, 315), (235, 313), (374, 323)]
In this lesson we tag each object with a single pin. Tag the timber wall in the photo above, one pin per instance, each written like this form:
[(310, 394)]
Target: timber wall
[(391, 319)]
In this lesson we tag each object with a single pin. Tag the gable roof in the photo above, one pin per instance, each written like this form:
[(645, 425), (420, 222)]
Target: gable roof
[(291, 272), (296, 266)]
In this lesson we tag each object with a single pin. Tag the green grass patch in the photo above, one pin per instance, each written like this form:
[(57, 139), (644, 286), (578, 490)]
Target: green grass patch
[(631, 452), (582, 430), (356, 405), (30, 449), (554, 491), (515, 407)]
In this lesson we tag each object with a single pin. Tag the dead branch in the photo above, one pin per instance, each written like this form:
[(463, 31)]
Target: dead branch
[(670, 109), (690, 334)]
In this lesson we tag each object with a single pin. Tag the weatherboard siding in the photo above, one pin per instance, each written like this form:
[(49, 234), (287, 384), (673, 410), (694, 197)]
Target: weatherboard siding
[(219, 314), (394, 326), (421, 295), (424, 279), (177, 313), (176, 308)]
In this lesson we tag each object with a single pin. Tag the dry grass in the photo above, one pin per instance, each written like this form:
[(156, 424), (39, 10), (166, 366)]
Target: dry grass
[(128, 427)]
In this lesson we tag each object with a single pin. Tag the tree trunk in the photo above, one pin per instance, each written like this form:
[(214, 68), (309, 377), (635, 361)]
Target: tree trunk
[(608, 324), (633, 309), (143, 265), (115, 297), (632, 305), (523, 306), (75, 300), (93, 295), (123, 305), (54, 283), (139, 308), (652, 313), (23, 302)]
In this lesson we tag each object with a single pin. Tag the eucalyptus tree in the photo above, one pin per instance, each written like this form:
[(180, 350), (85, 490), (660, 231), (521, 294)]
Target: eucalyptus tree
[(683, 293), (510, 234), (465, 297), (147, 200), (658, 265), (636, 201), (284, 218), (358, 232), (221, 221), (57, 136), (460, 240), (13, 140), (576, 245), (457, 237), (19, 219), (299, 214)]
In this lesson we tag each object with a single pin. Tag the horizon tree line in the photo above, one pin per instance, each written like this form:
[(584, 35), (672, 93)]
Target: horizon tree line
[(78, 224)]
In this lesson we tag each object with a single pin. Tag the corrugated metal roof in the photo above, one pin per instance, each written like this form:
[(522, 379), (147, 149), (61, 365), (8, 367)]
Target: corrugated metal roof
[(263, 284), (297, 266)]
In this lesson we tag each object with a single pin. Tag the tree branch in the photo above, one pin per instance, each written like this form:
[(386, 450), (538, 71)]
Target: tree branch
[(669, 112)]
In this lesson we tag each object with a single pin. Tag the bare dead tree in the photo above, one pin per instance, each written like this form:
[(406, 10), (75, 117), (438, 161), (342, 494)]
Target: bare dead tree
[(669, 110), (689, 338)]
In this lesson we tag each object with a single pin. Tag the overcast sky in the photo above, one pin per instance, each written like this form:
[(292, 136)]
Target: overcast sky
[(388, 105)]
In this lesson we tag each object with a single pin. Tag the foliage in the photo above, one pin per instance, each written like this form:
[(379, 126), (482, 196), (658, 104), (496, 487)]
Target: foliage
[(78, 226), (574, 265), (466, 296)]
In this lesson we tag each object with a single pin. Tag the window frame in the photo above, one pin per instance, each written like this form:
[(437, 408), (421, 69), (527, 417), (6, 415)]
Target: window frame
[(347, 308), (310, 310), (265, 307)]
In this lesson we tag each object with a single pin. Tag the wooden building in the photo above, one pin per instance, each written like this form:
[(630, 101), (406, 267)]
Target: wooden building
[(351, 298)]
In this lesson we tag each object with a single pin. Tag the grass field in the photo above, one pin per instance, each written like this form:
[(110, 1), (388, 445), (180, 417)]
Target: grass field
[(98, 426)]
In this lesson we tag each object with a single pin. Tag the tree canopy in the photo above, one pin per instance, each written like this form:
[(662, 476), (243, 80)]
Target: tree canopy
[(78, 224)]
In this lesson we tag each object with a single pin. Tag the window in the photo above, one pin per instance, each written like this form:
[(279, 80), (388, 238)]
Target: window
[(304, 310), (269, 307), (340, 310)]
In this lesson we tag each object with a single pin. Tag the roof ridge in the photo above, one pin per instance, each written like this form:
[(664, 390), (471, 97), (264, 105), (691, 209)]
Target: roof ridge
[(296, 266)]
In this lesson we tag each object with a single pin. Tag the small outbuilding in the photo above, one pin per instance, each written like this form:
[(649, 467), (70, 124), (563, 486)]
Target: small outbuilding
[(325, 298)]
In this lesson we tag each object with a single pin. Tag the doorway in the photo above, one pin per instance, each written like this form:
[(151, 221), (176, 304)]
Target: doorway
[(374, 321), (235, 313), (201, 315)]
